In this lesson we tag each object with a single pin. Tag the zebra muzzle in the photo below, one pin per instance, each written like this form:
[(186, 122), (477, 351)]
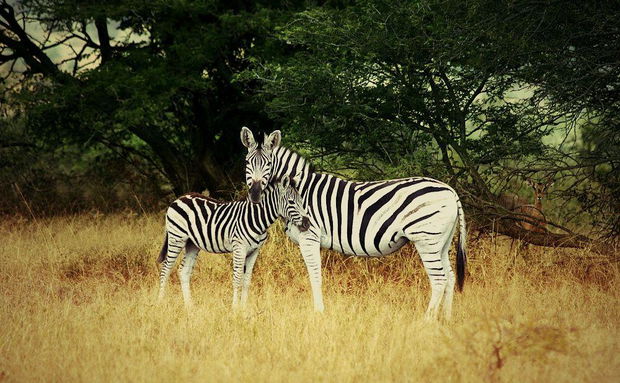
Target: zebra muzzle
[(305, 224), (254, 192)]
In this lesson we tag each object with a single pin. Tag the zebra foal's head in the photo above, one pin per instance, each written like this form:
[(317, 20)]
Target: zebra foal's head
[(291, 203), (258, 161)]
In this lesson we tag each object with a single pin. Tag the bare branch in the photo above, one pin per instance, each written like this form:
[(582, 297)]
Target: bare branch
[(59, 42), (22, 45), (475, 94)]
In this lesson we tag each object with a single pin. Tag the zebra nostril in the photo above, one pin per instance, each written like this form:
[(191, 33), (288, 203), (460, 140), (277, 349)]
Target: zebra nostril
[(305, 224)]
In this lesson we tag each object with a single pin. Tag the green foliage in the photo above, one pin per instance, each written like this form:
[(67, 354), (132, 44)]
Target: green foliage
[(463, 85), (577, 72), (483, 94), (164, 93), (382, 79)]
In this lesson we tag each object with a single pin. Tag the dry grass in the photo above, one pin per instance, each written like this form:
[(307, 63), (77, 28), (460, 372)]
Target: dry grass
[(78, 305)]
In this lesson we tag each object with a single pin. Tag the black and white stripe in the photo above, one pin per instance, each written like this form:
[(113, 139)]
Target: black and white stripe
[(375, 219), (195, 222)]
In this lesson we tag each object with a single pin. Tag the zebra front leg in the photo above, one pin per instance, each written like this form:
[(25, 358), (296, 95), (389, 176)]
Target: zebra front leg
[(175, 244), (311, 252), (185, 272), (239, 256), (247, 276)]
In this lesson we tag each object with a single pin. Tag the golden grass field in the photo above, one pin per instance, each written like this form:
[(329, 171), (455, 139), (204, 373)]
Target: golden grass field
[(78, 304)]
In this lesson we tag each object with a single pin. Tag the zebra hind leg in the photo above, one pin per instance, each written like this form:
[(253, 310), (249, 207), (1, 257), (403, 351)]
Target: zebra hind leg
[(430, 250), (185, 271), (175, 244), (449, 290)]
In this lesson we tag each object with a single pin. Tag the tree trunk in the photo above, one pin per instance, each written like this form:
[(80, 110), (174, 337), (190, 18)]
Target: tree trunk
[(491, 217), (101, 23), (219, 181), (508, 227), (190, 174), (172, 161)]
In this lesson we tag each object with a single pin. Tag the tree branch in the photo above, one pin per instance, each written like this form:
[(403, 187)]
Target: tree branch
[(23, 47), (475, 94), (101, 24)]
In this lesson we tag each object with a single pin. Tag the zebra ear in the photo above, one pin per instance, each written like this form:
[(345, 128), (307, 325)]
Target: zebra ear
[(273, 140), (247, 138)]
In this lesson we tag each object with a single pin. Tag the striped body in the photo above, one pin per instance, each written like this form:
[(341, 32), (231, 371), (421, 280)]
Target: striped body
[(195, 222), (377, 218), (217, 227)]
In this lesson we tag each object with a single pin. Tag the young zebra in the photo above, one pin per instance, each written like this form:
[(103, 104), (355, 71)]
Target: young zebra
[(367, 218), (196, 222)]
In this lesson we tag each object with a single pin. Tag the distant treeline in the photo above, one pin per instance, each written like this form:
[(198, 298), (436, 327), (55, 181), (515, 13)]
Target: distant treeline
[(127, 103)]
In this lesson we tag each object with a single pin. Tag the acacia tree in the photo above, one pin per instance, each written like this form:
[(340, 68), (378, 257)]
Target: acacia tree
[(579, 73), (399, 88), (149, 80)]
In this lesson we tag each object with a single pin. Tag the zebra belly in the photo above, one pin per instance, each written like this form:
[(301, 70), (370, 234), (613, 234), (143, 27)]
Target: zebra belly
[(211, 248), (227, 246), (394, 245), (327, 242), (384, 248), (212, 241)]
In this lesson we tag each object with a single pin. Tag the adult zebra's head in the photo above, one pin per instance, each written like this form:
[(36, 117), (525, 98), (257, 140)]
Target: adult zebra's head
[(291, 205), (258, 161)]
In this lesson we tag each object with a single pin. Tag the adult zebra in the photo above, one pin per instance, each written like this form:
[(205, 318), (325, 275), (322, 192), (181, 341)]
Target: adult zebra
[(366, 218), (196, 222)]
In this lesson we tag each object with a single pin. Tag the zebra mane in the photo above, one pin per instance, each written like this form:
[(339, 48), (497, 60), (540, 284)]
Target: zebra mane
[(199, 195), (193, 195), (284, 159)]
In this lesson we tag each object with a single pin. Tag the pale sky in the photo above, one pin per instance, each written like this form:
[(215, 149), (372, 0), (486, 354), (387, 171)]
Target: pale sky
[(70, 48)]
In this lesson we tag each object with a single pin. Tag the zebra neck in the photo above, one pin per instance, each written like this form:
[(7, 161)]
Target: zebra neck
[(312, 180), (265, 213), (288, 163)]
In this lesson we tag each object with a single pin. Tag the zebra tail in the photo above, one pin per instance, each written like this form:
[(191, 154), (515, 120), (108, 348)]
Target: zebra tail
[(164, 250), (461, 254)]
